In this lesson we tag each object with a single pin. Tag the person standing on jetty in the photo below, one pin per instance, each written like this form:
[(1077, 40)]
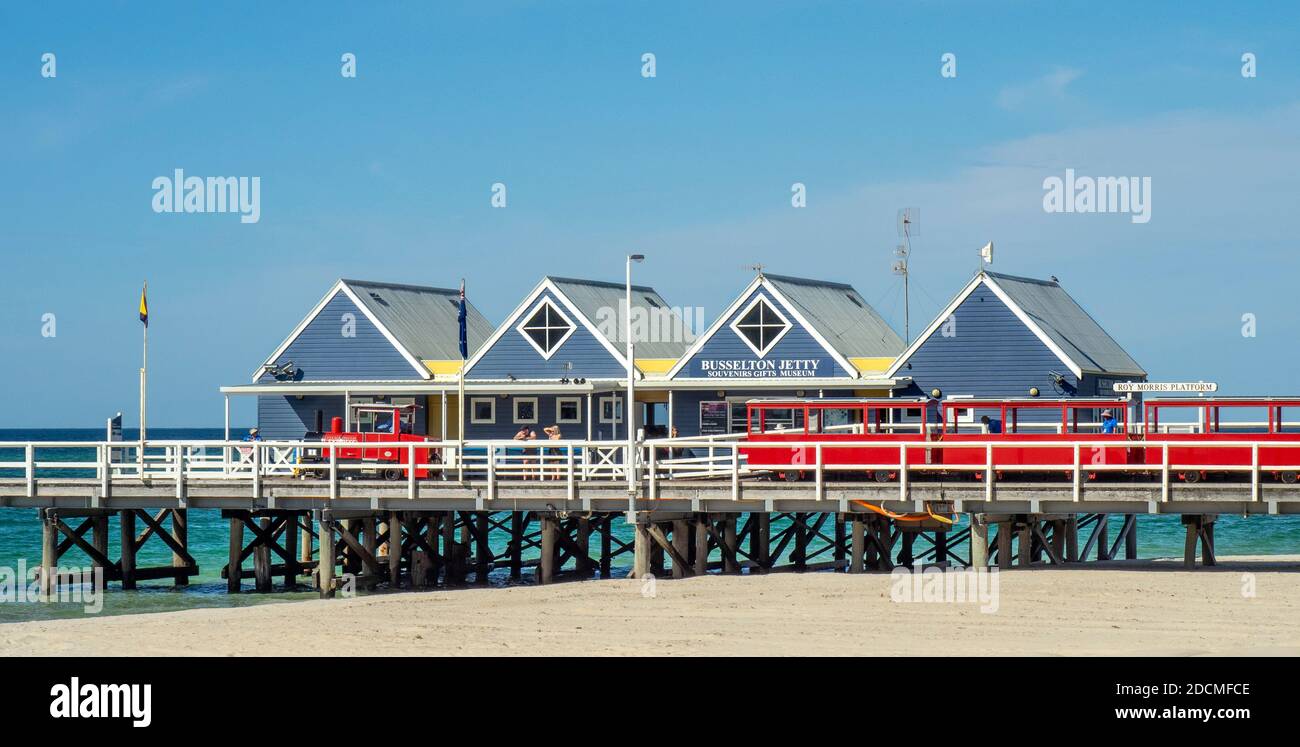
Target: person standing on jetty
[(553, 434), (525, 435)]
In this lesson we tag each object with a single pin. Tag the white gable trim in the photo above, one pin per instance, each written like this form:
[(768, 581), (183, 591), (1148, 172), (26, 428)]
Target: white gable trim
[(965, 293), (342, 287), (529, 302), (718, 324), (761, 298), (546, 355), (757, 283), (810, 329)]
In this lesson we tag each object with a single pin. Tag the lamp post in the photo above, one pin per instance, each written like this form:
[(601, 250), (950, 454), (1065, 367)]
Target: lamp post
[(629, 409)]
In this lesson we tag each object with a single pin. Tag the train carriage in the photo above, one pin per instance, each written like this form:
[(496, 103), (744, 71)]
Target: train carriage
[(1020, 423), (1207, 440), (871, 431)]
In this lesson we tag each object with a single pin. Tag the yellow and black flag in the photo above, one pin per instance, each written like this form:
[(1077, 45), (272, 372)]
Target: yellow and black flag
[(144, 305)]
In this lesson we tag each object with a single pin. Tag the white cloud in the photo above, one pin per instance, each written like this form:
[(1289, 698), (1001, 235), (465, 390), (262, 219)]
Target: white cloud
[(1047, 88)]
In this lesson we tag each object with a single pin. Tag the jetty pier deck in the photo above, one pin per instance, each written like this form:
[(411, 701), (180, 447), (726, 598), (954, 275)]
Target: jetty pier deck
[(693, 507)]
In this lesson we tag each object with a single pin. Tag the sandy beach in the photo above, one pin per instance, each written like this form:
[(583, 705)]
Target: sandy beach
[(1151, 607)]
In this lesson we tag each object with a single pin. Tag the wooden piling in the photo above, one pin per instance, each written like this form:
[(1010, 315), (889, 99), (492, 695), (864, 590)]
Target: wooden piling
[(394, 549), (1004, 545), (262, 559), (291, 567), (582, 536), (641, 543), (325, 566), (857, 549), (180, 534), (979, 541), (730, 556), (49, 552), (518, 522), (607, 545), (1131, 538), (546, 569), (1025, 544), (126, 527), (681, 543), (1072, 539), (701, 544), (760, 539), (482, 548)]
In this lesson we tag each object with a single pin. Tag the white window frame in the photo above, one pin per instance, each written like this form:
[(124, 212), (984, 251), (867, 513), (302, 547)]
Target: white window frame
[(532, 313), (618, 409), (474, 419), (577, 405), (735, 324), (514, 409)]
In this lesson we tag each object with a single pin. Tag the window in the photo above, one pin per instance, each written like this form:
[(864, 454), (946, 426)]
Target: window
[(483, 410), (568, 409), (611, 410), (546, 328), (760, 325), (525, 409)]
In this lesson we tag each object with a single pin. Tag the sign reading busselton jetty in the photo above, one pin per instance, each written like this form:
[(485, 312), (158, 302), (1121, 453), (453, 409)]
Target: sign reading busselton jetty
[(1156, 386), (761, 368)]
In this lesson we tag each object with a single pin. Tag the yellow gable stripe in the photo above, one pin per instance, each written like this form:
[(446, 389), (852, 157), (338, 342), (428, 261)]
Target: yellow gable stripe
[(655, 365), (442, 368), (872, 365)]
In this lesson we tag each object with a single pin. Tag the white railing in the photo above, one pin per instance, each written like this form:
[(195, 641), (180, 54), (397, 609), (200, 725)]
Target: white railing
[(571, 462)]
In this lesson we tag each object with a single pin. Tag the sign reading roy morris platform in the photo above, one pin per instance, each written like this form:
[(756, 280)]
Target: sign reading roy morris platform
[(1157, 386)]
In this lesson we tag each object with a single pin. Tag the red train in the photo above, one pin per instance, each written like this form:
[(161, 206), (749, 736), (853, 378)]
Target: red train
[(389, 428), (872, 432)]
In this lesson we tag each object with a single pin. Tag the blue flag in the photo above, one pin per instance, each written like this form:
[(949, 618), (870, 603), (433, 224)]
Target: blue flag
[(460, 319)]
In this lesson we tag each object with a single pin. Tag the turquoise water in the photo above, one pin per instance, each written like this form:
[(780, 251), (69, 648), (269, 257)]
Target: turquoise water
[(20, 539)]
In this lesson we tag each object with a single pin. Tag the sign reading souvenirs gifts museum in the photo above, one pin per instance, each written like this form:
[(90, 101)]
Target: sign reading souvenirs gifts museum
[(748, 368)]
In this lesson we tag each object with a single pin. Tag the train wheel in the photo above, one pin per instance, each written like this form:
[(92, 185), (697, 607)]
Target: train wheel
[(1192, 477), (881, 475), (392, 474), (1288, 477), (793, 475)]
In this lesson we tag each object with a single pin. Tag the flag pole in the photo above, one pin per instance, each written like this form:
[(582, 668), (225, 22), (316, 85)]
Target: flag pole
[(460, 387), (144, 375)]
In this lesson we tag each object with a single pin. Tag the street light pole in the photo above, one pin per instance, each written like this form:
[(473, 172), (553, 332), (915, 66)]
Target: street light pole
[(629, 409)]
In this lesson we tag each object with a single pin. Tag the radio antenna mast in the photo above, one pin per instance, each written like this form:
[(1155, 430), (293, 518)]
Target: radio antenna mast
[(908, 226)]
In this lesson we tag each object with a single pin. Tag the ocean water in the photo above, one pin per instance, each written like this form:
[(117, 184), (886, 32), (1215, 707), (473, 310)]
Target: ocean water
[(20, 541)]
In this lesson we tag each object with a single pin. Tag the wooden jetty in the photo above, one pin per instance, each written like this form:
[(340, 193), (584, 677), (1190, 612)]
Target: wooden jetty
[(484, 514)]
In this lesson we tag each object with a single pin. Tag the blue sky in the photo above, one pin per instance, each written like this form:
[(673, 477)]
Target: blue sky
[(388, 176)]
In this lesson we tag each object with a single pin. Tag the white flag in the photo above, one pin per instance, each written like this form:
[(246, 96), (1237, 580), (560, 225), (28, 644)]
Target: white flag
[(986, 253)]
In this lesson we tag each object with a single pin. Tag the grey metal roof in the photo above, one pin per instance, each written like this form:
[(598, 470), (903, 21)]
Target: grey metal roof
[(598, 299), (841, 315), (1064, 321), (423, 319)]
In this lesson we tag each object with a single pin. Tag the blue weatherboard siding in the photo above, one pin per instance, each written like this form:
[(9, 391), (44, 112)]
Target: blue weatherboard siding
[(322, 352), (512, 355), (686, 404), (797, 344), (505, 426), (992, 354)]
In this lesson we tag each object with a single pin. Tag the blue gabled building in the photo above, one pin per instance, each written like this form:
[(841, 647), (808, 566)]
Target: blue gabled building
[(365, 342), (560, 359), (1009, 337), (781, 337)]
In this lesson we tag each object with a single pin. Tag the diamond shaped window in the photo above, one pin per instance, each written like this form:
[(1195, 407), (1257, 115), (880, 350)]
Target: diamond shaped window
[(546, 328)]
